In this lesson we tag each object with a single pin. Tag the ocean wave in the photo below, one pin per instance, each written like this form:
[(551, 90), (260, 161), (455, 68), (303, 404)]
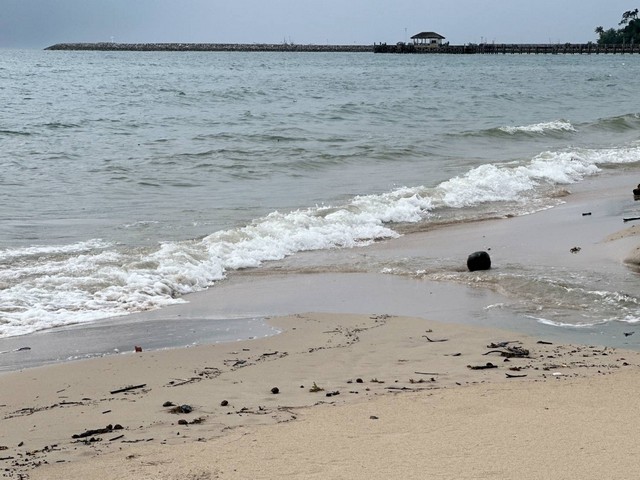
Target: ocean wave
[(617, 124), (49, 286), (540, 128), (556, 128), (507, 182), (14, 133)]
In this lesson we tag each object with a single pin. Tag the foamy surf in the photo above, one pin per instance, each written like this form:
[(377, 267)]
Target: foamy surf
[(50, 286)]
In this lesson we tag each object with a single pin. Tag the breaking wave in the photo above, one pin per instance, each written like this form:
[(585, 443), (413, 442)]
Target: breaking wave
[(540, 128), (48, 286)]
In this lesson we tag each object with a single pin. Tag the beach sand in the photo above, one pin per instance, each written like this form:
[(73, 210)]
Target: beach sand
[(377, 382), (398, 400)]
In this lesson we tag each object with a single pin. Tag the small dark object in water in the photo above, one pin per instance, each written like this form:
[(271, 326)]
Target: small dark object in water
[(275, 390), (224, 403), (478, 261), (21, 349), (628, 334), (586, 214), (636, 191), (575, 249)]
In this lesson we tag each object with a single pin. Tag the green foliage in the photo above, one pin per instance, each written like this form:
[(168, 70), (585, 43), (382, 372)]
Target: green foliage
[(630, 33)]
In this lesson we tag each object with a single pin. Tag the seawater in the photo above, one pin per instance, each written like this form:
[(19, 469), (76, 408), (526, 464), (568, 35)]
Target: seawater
[(128, 180)]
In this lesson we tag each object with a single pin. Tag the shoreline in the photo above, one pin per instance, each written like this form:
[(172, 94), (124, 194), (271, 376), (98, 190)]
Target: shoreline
[(386, 375), (224, 393), (236, 308)]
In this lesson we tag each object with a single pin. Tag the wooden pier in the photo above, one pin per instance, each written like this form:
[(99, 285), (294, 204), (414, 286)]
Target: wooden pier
[(508, 48)]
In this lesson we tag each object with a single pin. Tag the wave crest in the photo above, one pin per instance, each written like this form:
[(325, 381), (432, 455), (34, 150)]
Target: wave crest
[(540, 128)]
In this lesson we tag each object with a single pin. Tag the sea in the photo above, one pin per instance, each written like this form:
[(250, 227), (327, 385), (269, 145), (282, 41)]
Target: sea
[(129, 180)]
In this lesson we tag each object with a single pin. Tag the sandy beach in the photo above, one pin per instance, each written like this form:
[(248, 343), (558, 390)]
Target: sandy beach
[(372, 397), (380, 384)]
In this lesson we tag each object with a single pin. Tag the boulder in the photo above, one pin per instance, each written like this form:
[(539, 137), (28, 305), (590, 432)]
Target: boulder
[(479, 261)]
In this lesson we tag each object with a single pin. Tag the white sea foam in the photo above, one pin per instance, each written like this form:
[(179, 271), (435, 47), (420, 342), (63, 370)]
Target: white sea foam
[(49, 286), (9, 254), (557, 126), (552, 323), (492, 183)]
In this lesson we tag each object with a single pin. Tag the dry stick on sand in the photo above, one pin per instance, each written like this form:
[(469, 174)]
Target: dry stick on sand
[(437, 340), (126, 389)]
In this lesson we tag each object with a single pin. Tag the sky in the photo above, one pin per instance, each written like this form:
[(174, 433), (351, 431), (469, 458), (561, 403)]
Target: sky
[(40, 23)]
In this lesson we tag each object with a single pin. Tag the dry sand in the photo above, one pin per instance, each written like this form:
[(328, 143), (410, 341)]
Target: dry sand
[(399, 400)]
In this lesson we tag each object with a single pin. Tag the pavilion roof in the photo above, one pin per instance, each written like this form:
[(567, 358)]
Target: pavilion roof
[(427, 35)]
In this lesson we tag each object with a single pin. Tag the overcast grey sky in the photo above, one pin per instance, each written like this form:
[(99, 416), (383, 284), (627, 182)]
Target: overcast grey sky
[(39, 23)]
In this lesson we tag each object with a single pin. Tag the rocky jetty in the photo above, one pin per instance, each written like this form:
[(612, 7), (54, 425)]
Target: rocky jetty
[(208, 47)]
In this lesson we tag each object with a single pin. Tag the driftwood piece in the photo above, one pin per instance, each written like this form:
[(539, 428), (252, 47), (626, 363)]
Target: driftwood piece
[(405, 389), (482, 367), (510, 375), (436, 340), (511, 352), (630, 219), (501, 344), (97, 431), (426, 373), (126, 389), (183, 381)]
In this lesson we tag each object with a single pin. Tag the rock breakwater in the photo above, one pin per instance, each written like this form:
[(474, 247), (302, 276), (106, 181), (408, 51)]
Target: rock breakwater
[(209, 47)]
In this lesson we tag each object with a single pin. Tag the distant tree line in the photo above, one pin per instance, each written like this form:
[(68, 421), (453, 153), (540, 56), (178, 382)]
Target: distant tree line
[(628, 33)]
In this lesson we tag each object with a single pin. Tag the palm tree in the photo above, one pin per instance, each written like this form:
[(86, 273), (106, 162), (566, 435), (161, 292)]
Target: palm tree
[(628, 16)]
